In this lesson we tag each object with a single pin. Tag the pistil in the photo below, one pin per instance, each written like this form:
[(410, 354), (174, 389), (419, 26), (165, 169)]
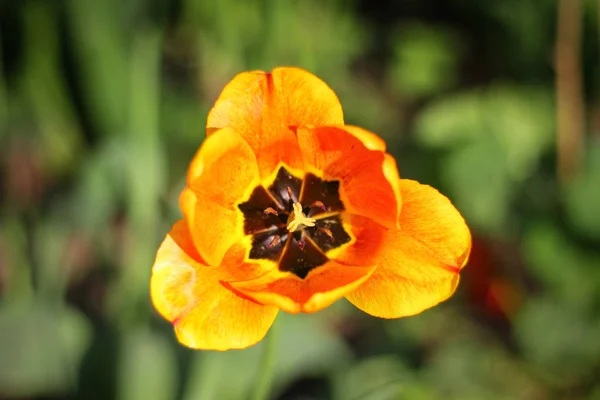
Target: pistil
[(298, 220)]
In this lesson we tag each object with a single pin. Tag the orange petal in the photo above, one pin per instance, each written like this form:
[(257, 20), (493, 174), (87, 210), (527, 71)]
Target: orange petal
[(369, 177), (417, 265), (263, 106), (319, 289), (205, 314), (221, 175), (370, 140)]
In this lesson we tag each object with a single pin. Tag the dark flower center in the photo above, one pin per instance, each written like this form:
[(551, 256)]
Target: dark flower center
[(295, 222)]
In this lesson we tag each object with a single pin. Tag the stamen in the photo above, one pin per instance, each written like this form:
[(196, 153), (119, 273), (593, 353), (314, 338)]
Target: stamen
[(319, 204), (298, 219), (289, 192), (271, 210), (327, 232), (274, 242)]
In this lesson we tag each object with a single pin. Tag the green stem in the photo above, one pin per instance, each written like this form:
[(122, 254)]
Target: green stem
[(262, 390)]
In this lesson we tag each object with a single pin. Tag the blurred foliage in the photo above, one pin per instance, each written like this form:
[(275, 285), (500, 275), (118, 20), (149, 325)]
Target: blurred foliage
[(103, 104)]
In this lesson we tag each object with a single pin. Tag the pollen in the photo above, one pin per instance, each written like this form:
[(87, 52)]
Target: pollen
[(299, 220)]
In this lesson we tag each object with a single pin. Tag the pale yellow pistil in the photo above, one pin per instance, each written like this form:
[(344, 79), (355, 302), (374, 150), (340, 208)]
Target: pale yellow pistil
[(299, 220)]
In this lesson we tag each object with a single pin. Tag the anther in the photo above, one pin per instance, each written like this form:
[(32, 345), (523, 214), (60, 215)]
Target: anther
[(301, 244), (327, 232), (274, 242), (271, 210), (319, 204), (298, 219), (289, 192)]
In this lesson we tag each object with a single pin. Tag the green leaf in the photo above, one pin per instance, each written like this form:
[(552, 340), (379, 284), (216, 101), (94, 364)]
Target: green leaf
[(520, 118), (473, 369), (451, 121), (569, 273), (494, 138), (582, 195), (376, 378), (147, 367), (98, 29), (41, 349), (479, 184), (46, 89), (559, 339), (425, 60)]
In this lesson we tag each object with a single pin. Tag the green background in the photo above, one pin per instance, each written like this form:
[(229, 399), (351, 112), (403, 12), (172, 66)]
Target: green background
[(103, 104)]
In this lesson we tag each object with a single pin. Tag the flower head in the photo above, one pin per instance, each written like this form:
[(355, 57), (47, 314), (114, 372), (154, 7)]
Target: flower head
[(286, 208)]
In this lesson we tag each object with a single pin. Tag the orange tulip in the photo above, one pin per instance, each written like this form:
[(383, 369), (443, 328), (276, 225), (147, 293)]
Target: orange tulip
[(286, 208)]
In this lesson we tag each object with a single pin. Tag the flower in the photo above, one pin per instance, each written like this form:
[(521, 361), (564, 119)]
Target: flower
[(286, 208)]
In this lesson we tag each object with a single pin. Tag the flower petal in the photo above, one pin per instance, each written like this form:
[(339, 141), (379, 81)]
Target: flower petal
[(205, 314), (221, 175), (369, 177), (263, 106), (417, 265), (323, 286)]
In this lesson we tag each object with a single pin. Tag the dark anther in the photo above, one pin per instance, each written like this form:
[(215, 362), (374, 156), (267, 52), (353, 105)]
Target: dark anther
[(289, 192), (301, 261), (261, 241), (320, 192), (318, 204), (271, 210), (301, 244), (330, 233), (274, 241), (327, 232), (255, 217), (279, 192)]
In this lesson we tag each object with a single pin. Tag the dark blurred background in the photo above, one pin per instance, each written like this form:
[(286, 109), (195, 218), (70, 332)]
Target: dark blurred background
[(103, 103)]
